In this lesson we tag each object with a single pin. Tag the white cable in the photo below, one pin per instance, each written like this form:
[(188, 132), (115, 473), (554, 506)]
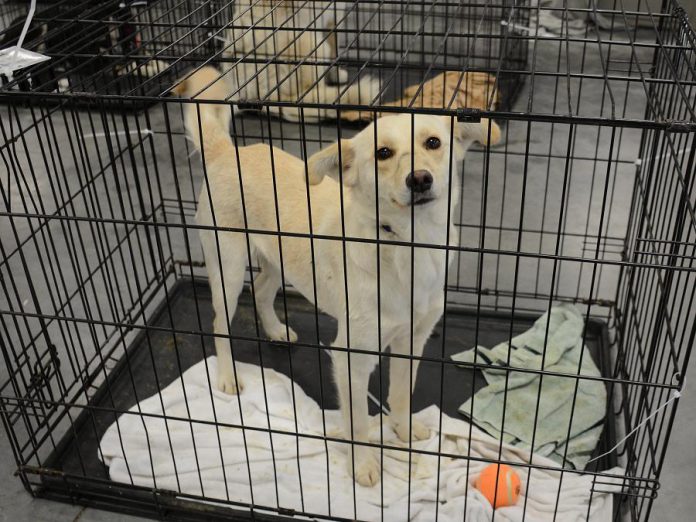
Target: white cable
[(143, 132), (27, 22), (675, 395), (370, 396), (381, 406)]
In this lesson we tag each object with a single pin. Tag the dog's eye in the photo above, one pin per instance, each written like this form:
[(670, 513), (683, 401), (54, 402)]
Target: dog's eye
[(432, 143), (384, 153)]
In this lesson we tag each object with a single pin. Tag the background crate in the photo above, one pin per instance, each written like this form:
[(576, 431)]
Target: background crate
[(110, 47), (137, 50), (437, 36)]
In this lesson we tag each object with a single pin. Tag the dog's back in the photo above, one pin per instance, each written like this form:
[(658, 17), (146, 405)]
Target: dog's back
[(256, 187)]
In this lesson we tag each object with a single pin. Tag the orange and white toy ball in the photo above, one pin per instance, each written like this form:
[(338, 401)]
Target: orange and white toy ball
[(508, 485)]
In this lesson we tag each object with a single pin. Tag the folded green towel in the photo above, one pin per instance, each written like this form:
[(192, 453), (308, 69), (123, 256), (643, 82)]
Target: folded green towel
[(563, 348)]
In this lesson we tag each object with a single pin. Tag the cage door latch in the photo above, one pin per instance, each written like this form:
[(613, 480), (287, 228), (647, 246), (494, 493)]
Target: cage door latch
[(246, 105), (468, 114)]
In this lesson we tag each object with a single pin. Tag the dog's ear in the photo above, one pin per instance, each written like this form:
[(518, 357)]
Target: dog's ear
[(486, 132), (335, 161)]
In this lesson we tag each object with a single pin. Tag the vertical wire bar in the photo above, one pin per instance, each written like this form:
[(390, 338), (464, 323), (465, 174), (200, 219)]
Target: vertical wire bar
[(587, 318), (285, 304), (148, 339), (549, 151), (345, 284), (453, 177), (378, 227), (317, 346), (167, 123), (126, 354), (479, 280), (247, 239), (199, 322), (149, 343), (411, 327), (525, 173)]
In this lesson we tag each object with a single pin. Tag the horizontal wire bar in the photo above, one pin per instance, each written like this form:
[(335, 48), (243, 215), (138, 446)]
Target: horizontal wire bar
[(351, 239), (90, 99), (387, 447), (336, 348)]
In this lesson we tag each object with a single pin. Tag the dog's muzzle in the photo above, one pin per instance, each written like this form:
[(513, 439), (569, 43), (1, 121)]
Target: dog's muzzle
[(419, 181), (422, 200)]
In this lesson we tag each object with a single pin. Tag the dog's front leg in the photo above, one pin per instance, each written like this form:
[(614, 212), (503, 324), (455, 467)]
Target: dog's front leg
[(402, 378), (352, 374)]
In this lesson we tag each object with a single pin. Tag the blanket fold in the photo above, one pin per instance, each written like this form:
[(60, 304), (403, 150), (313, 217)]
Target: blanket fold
[(511, 415), (202, 456)]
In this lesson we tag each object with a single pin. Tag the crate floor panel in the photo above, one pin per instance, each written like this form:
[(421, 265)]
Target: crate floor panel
[(156, 358)]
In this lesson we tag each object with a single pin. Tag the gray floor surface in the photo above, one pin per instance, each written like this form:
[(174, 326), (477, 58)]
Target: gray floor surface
[(679, 474)]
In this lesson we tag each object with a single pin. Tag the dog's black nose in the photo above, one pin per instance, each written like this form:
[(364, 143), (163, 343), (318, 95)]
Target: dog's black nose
[(419, 181)]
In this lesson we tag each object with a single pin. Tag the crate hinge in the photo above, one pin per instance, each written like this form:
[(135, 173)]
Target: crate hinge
[(680, 126)]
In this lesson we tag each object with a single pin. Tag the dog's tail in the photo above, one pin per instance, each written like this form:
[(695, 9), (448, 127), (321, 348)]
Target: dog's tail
[(210, 119)]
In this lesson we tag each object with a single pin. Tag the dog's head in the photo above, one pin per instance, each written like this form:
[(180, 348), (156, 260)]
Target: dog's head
[(410, 156)]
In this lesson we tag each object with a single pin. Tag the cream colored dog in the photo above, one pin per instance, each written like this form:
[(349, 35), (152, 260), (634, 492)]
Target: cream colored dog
[(278, 50), (417, 183)]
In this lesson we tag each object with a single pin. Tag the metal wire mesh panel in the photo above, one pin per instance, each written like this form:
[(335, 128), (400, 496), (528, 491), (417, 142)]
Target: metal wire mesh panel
[(115, 48), (272, 259)]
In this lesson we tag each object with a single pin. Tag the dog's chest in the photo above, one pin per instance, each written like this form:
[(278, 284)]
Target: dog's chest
[(417, 279), (409, 280)]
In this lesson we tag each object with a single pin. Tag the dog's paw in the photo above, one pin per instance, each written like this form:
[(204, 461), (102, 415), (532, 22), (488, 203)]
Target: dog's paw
[(367, 467), (282, 333), (341, 76), (419, 431), (228, 384)]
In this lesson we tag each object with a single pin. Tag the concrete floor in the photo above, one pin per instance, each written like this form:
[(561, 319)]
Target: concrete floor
[(679, 473)]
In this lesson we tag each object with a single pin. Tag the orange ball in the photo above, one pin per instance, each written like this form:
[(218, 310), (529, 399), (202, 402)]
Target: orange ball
[(508, 485)]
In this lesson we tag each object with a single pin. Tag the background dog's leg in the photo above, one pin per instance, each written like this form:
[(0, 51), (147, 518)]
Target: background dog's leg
[(266, 287), (352, 396), (233, 258), (336, 75), (307, 114)]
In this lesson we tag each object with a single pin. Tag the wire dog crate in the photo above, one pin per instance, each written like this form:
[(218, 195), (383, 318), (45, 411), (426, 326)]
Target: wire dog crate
[(108, 388)]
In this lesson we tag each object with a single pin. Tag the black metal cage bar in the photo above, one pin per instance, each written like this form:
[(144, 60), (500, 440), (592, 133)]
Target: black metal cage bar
[(107, 292)]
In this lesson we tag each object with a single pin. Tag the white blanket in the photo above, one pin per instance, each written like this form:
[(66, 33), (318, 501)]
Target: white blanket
[(138, 451)]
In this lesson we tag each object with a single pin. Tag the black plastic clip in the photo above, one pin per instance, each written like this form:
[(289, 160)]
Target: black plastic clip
[(249, 105), (470, 115)]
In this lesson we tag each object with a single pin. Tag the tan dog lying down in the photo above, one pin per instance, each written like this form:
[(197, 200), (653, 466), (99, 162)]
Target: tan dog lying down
[(449, 89), (414, 182), (475, 90)]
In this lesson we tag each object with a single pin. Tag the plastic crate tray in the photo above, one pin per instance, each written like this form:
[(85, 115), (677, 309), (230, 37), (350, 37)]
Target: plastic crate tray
[(78, 450)]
